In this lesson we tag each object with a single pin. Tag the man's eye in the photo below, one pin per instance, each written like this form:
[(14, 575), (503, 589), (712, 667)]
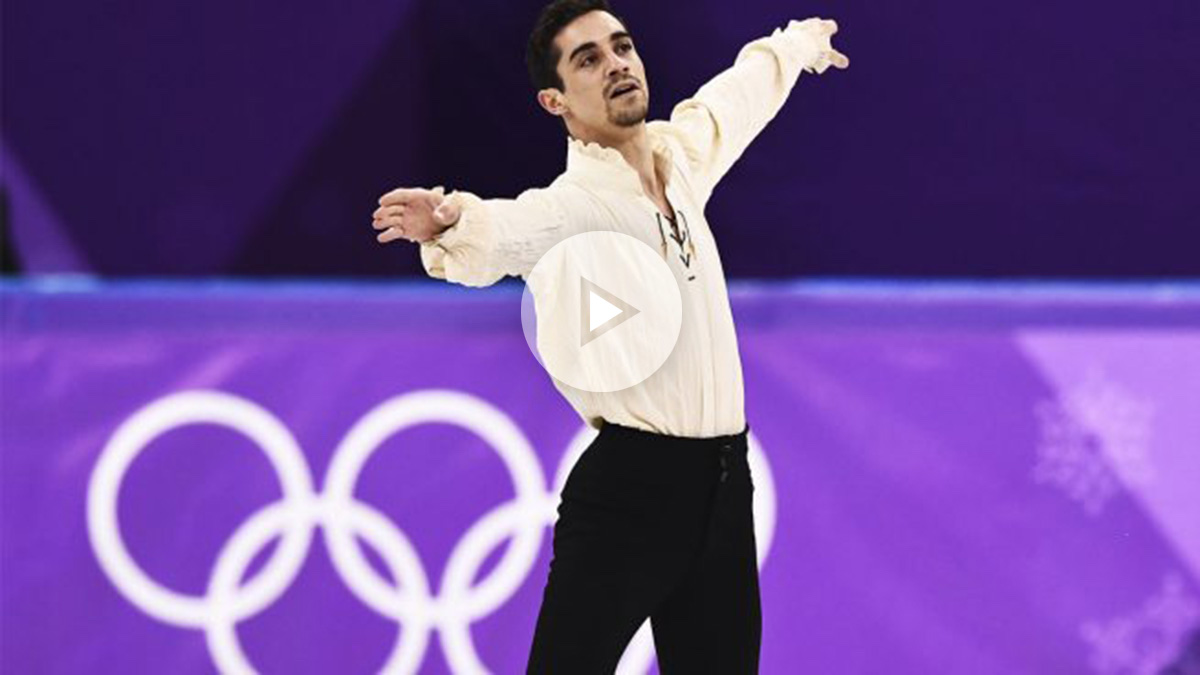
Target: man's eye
[(587, 60), (625, 46)]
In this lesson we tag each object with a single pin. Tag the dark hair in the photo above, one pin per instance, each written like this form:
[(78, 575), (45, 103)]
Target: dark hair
[(541, 54)]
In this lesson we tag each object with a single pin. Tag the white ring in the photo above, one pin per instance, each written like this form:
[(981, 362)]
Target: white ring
[(135, 435)]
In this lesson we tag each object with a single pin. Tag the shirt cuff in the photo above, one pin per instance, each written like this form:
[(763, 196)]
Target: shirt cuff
[(449, 254), (800, 43)]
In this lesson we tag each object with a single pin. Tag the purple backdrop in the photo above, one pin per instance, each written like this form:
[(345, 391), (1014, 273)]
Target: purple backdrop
[(976, 138), (951, 478)]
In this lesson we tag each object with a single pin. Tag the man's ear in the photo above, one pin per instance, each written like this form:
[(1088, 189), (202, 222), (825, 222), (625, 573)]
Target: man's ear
[(552, 101)]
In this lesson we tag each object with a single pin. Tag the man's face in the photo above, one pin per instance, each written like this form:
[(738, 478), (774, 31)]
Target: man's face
[(597, 65)]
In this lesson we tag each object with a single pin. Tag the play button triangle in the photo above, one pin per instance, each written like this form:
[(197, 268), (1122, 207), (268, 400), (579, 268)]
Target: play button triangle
[(600, 312)]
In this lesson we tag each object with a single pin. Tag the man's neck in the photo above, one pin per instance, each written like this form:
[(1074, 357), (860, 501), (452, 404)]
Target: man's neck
[(634, 146)]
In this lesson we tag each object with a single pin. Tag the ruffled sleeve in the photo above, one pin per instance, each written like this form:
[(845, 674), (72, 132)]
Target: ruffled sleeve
[(494, 238), (715, 126)]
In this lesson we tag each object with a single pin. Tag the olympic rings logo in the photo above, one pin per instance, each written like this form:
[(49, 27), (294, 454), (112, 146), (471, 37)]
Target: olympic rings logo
[(341, 517)]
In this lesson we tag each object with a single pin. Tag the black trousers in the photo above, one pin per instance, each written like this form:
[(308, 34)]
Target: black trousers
[(660, 527)]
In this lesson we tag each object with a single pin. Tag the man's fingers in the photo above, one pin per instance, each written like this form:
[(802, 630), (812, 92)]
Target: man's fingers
[(390, 234), (400, 196), (385, 211), (390, 221), (830, 26), (394, 206), (827, 58)]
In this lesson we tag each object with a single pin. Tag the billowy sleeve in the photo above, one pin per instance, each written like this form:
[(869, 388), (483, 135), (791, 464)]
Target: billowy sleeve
[(494, 238), (716, 125)]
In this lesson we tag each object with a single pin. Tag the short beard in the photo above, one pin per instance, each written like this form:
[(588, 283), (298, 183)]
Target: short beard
[(629, 117)]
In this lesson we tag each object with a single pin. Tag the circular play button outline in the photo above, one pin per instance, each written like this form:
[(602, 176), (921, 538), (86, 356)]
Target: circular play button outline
[(601, 311)]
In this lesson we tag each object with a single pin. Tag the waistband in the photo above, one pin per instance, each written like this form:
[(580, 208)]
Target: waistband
[(728, 443)]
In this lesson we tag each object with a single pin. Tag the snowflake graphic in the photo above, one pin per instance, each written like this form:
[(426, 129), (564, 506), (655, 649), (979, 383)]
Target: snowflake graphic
[(1146, 641), (1094, 437)]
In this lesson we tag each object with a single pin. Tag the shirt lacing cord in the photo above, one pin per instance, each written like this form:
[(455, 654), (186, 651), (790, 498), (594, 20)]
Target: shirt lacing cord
[(685, 258)]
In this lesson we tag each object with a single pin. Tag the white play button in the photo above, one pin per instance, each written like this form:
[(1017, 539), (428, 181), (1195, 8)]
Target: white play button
[(601, 311)]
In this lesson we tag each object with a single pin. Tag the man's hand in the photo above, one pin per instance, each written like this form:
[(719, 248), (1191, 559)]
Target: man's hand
[(414, 214), (822, 31)]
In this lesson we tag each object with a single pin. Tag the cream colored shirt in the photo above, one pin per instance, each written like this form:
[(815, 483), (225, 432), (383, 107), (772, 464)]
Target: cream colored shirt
[(698, 391)]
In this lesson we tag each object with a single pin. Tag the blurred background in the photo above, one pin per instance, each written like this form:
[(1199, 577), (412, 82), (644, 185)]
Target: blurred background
[(966, 275)]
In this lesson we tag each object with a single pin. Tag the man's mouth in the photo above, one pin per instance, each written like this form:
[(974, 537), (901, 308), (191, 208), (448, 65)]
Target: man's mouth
[(623, 89)]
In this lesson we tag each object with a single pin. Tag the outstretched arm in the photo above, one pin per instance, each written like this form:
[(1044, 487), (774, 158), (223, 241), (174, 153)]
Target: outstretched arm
[(474, 241), (717, 124)]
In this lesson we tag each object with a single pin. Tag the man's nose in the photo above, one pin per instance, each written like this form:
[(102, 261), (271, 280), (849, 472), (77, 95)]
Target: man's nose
[(617, 66)]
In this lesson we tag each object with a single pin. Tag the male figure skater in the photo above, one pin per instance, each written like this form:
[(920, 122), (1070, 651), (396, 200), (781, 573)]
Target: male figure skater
[(655, 518)]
